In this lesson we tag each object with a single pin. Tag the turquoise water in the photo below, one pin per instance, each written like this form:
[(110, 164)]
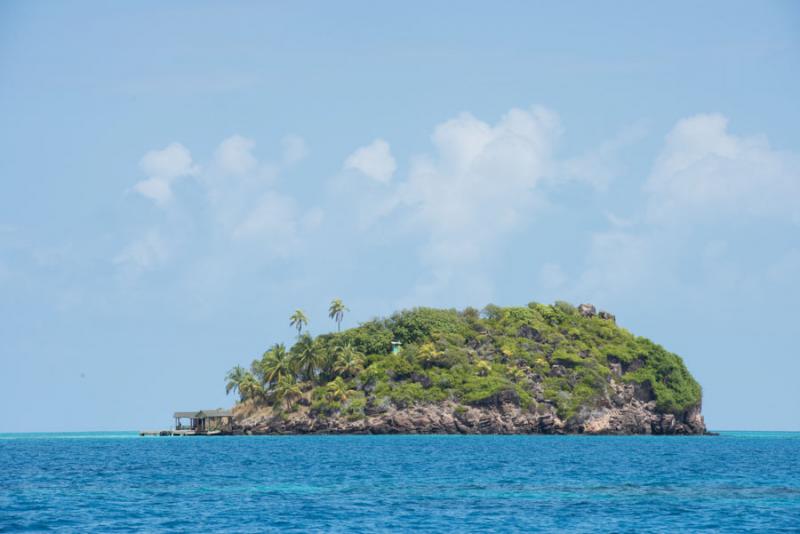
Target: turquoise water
[(106, 482)]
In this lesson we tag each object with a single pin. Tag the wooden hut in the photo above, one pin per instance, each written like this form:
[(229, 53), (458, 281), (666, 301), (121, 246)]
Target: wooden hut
[(204, 421)]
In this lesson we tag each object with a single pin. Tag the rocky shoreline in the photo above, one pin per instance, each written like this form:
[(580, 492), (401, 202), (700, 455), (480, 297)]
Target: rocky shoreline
[(629, 410)]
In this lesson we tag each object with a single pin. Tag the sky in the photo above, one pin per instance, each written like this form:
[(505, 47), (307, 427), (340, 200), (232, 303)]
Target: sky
[(177, 178)]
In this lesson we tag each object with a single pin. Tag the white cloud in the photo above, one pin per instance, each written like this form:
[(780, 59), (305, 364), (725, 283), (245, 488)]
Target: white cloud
[(465, 197), (295, 149), (242, 196), (277, 224), (234, 155), (274, 215), (162, 168), (155, 189), (618, 262), (236, 181), (618, 222), (240, 212), (598, 166), (313, 218), (374, 160), (702, 174), (145, 253), (479, 184), (705, 172), (173, 161)]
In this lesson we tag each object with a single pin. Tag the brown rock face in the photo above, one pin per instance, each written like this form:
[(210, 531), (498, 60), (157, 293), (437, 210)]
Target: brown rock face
[(625, 411)]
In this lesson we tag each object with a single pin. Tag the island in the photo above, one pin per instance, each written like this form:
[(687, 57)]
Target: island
[(549, 369)]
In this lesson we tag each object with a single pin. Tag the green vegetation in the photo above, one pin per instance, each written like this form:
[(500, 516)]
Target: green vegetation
[(298, 320), (336, 312), (532, 355)]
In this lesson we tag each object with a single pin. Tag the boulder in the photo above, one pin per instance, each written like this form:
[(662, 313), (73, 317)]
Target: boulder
[(607, 316), (499, 398), (587, 310), (528, 332)]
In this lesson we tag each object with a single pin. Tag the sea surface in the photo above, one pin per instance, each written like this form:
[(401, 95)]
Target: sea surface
[(113, 482)]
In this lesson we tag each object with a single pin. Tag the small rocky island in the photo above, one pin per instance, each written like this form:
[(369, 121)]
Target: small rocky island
[(550, 369)]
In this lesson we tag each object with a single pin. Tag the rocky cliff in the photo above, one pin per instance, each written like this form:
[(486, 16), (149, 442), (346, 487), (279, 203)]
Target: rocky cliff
[(540, 369), (621, 413)]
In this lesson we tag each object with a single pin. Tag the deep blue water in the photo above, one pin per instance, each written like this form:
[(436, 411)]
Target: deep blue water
[(120, 482)]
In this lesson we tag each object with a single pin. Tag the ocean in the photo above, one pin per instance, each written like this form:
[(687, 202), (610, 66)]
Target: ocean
[(116, 482)]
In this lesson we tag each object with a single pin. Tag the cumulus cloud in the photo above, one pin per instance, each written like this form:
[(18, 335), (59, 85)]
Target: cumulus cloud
[(234, 155), (479, 182), (242, 194), (462, 199), (374, 160), (706, 172), (162, 168), (313, 218), (240, 208), (618, 222), (598, 166), (145, 253), (295, 149), (709, 177), (155, 189), (273, 214), (277, 223)]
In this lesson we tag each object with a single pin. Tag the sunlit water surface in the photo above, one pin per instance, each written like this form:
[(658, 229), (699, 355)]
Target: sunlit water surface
[(107, 482)]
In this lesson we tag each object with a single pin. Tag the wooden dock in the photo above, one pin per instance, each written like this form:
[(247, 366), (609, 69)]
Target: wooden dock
[(182, 433)]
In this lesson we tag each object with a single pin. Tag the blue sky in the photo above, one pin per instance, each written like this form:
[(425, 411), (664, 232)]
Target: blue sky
[(178, 178)]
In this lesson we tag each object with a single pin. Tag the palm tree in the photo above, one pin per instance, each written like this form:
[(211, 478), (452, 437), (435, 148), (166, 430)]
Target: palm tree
[(305, 357), (349, 361), (234, 378), (336, 312), (249, 388), (298, 320), (286, 390), (275, 364), (338, 390), (326, 356)]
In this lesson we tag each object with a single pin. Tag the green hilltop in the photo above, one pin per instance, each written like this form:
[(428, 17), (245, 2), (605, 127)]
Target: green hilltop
[(556, 355)]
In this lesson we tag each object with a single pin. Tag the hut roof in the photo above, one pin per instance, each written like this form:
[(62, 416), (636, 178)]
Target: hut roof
[(203, 414)]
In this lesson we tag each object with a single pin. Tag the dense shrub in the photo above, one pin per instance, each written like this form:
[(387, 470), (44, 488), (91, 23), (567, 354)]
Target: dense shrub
[(472, 358), (421, 324), (479, 389), (674, 388), (373, 337)]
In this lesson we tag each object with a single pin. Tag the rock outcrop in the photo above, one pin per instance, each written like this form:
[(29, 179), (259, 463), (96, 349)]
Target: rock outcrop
[(588, 310), (607, 316), (627, 410)]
